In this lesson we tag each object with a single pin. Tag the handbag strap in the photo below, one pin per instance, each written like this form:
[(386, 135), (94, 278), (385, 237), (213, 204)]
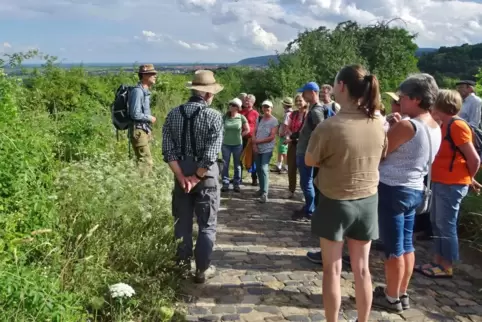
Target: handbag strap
[(429, 163)]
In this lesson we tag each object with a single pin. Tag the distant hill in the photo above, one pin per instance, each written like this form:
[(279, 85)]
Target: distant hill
[(263, 60)]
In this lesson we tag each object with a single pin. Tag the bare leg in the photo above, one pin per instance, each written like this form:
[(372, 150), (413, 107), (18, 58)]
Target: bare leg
[(409, 260), (331, 255), (359, 254)]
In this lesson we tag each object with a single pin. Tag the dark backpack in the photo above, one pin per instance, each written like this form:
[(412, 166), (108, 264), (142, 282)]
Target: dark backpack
[(476, 140), (120, 108)]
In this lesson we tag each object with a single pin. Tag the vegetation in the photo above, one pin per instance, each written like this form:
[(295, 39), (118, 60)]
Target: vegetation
[(75, 216)]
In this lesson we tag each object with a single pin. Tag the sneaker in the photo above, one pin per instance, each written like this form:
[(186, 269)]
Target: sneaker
[(225, 188), (263, 198), (405, 300), (201, 277), (314, 257), (300, 215), (236, 188), (275, 169), (380, 300)]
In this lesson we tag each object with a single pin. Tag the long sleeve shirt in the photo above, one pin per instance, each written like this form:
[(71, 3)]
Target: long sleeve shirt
[(208, 133), (471, 110), (140, 106)]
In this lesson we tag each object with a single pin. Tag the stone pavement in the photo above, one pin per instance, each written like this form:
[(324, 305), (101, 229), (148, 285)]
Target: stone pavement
[(263, 275)]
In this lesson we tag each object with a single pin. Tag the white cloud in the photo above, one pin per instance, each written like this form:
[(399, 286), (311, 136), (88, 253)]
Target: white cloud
[(7, 45), (211, 28)]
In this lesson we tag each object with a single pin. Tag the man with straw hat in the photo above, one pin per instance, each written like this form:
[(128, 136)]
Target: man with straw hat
[(191, 141)]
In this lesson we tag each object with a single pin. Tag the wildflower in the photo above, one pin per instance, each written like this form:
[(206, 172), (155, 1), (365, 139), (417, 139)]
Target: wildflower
[(121, 290)]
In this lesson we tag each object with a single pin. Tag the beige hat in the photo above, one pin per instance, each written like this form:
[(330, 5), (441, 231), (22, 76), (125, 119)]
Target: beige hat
[(267, 103), (236, 101), (147, 69), (287, 101), (393, 95), (204, 81)]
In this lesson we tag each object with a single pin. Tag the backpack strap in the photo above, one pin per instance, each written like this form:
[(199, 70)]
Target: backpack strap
[(448, 137), (188, 121)]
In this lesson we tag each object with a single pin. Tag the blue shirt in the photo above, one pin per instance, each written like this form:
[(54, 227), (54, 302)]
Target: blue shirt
[(140, 105)]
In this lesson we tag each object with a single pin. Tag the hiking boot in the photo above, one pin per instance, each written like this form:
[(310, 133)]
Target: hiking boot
[(381, 301), (291, 195), (255, 182), (300, 215), (225, 188), (405, 300), (263, 198), (201, 277), (236, 188), (258, 193)]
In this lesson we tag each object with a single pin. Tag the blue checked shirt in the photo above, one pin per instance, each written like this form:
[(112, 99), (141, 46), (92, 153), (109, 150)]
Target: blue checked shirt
[(208, 133)]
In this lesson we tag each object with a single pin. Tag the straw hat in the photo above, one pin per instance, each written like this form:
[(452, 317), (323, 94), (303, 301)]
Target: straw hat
[(287, 101), (147, 69), (204, 81), (393, 95)]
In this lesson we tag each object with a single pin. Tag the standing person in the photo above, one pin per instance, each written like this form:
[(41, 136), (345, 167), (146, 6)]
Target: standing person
[(412, 147), (293, 125), (191, 141), (310, 92), (235, 126), (252, 116), (472, 105), (347, 148), (140, 131), (454, 170), (281, 166), (263, 145), (325, 97)]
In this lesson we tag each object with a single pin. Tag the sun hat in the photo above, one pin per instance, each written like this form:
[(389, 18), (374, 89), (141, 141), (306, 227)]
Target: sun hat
[(465, 82), (311, 86), (204, 81), (236, 101), (147, 69), (393, 95), (267, 103), (287, 101)]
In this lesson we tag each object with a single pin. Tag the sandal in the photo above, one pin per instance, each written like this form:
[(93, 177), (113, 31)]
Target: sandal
[(421, 268), (437, 272)]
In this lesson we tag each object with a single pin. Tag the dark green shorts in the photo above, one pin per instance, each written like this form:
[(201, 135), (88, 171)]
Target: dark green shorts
[(354, 219)]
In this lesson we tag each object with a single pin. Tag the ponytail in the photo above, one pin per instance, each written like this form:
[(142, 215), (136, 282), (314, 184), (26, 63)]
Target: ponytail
[(371, 97)]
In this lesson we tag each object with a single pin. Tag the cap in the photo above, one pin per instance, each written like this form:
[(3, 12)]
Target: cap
[(236, 101), (465, 82), (267, 103), (311, 86), (393, 95)]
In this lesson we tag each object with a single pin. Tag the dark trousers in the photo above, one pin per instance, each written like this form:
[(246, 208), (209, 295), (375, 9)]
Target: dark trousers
[(203, 202), (254, 176)]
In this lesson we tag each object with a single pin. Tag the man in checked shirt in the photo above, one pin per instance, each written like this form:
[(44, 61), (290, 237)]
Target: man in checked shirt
[(191, 141)]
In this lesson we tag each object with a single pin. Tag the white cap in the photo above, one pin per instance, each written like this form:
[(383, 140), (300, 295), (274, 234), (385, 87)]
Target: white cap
[(267, 103), (236, 101)]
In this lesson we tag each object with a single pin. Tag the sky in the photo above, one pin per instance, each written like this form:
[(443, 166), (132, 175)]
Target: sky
[(203, 31)]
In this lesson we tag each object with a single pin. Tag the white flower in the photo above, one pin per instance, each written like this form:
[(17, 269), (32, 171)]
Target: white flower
[(121, 290)]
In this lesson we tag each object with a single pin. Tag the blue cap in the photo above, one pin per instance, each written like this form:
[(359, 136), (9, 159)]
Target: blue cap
[(311, 86)]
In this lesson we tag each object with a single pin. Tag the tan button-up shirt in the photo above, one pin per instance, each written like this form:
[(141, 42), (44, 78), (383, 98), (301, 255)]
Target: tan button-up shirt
[(348, 148)]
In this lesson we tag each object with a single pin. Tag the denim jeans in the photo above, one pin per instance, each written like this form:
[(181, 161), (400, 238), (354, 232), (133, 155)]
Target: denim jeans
[(311, 193), (236, 151), (396, 218), (443, 216), (262, 168)]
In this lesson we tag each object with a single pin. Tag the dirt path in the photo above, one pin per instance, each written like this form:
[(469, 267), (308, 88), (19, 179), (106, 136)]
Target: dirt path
[(263, 275)]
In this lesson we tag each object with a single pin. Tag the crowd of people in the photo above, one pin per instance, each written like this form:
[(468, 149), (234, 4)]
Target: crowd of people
[(364, 175)]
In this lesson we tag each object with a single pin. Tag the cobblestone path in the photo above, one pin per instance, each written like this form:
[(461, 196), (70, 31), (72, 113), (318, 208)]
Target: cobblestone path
[(263, 275)]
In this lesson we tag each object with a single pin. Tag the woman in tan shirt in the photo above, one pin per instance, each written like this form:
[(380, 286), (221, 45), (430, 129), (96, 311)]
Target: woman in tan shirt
[(348, 148)]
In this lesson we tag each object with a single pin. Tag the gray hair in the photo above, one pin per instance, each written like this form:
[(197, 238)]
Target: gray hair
[(251, 98), (421, 86), (327, 86)]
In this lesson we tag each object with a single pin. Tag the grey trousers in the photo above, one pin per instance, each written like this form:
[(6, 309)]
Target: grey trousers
[(203, 202)]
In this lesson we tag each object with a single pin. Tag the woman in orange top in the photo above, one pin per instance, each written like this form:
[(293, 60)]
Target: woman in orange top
[(453, 171)]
